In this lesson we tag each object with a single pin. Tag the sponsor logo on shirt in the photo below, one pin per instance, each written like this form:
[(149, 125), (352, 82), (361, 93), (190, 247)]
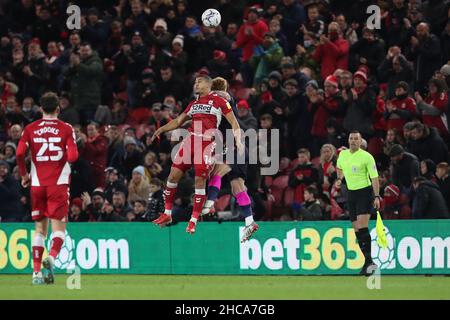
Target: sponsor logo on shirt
[(201, 108)]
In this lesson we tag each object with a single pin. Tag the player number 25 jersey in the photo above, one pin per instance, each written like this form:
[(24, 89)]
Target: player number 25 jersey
[(52, 146)]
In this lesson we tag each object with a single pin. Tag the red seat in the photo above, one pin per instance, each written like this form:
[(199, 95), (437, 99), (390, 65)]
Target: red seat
[(375, 146), (223, 202), (281, 182), (316, 162), (243, 93), (268, 180), (139, 115), (288, 197), (278, 195), (293, 164)]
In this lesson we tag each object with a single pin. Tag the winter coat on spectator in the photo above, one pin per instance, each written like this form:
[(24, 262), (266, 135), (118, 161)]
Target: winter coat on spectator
[(294, 16), (86, 82), (248, 122), (95, 151), (249, 42), (299, 121), (429, 203), (311, 210), (110, 188), (81, 178), (155, 205), (332, 55), (138, 191), (133, 62), (266, 61), (35, 84), (444, 187), (146, 94), (433, 109), (405, 171), (379, 122), (96, 34), (308, 171), (360, 111), (219, 68), (46, 31), (372, 51), (393, 27), (10, 206), (405, 111), (386, 73), (175, 86), (427, 59), (431, 146)]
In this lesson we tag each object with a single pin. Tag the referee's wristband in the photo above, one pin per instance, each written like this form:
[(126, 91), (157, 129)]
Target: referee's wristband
[(379, 197)]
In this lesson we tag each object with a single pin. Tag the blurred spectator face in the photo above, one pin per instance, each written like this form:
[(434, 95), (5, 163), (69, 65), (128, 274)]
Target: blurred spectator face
[(150, 158), (441, 172), (92, 18), (416, 134), (116, 27), (92, 130), (288, 2), (112, 176), (287, 72), (369, 36), (268, 41), (302, 158), (97, 202), (266, 122), (326, 153), (232, 29), (5, 41), (27, 3), (422, 31), (397, 159), (400, 91), (27, 104), (85, 51), (432, 87), (396, 65), (44, 14), (310, 91), (130, 133), (291, 90), (64, 102), (166, 74), (243, 112), (274, 26), (170, 101), (130, 147), (345, 80), (52, 49), (154, 188), (138, 208), (74, 40), (11, 104), (341, 21), (15, 132), (136, 8), (118, 200), (17, 43), (75, 210), (18, 56), (423, 168), (3, 170), (164, 156), (390, 136), (398, 3), (273, 83), (313, 13), (414, 15), (112, 132), (252, 17), (358, 82), (333, 31), (181, 7), (34, 50), (190, 22), (307, 72), (308, 196), (136, 41), (136, 177), (9, 152)]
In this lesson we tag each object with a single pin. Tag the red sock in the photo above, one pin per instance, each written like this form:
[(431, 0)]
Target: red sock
[(199, 201), (37, 258), (169, 195), (57, 242)]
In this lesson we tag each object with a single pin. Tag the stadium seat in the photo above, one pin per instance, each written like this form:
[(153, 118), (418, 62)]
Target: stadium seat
[(375, 146), (268, 180), (316, 162), (243, 93), (139, 116), (222, 202), (278, 195), (293, 164), (288, 197), (280, 182)]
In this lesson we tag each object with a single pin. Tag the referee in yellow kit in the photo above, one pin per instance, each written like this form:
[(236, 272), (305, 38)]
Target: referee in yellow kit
[(358, 168)]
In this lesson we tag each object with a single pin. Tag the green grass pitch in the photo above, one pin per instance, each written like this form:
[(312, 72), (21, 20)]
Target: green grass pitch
[(183, 287)]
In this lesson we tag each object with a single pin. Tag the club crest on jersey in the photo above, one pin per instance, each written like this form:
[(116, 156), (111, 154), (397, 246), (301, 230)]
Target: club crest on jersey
[(43, 130), (210, 102)]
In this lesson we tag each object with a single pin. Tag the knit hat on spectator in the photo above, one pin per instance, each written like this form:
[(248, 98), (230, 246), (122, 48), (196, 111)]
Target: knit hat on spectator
[(312, 83), (393, 189), (111, 169), (77, 202), (148, 73), (98, 192), (202, 72), (11, 144), (4, 163), (219, 55), (243, 104), (275, 75), (403, 84), (129, 140), (93, 12), (179, 39), (445, 70), (396, 150), (364, 69), (361, 75), (383, 87), (157, 106), (331, 80), (288, 65), (160, 23), (140, 170)]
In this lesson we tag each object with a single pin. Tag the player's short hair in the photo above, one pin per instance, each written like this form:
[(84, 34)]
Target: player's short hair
[(205, 77), (219, 84), (355, 132), (304, 151), (156, 182), (442, 165), (49, 102), (142, 202)]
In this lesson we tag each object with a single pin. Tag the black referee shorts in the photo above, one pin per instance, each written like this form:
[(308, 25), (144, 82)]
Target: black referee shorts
[(360, 202)]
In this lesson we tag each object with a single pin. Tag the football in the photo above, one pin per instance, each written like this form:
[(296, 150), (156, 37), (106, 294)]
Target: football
[(211, 18)]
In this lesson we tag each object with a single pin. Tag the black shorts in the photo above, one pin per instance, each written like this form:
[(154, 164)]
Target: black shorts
[(238, 170), (360, 202)]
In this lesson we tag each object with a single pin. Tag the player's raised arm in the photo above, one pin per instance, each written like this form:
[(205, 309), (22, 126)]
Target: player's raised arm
[(21, 153), (172, 125), (236, 130), (71, 147)]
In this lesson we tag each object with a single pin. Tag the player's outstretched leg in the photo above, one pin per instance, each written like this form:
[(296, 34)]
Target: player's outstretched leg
[(199, 201), (169, 194), (251, 226), (49, 262), (214, 185)]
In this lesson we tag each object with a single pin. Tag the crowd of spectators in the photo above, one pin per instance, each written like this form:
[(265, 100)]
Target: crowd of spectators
[(310, 68)]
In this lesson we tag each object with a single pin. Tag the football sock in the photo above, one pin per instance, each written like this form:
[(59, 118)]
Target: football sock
[(169, 195), (38, 251), (57, 242), (199, 201), (214, 188), (244, 202), (367, 244)]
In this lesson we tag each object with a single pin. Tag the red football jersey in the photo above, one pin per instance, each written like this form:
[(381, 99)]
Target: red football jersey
[(206, 112), (52, 146)]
